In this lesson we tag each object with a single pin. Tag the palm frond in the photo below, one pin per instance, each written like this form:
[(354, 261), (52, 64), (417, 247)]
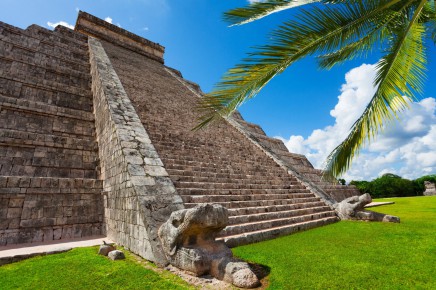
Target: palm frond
[(361, 47), (259, 10), (430, 12), (399, 74), (315, 30)]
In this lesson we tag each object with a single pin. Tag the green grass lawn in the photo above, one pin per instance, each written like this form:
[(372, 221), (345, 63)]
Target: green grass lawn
[(356, 255), (82, 268), (344, 255)]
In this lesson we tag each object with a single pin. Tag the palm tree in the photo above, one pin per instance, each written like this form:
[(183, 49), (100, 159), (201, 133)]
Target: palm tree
[(335, 32)]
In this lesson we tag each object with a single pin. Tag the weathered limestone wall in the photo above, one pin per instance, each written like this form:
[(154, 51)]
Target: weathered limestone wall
[(48, 157), (139, 195)]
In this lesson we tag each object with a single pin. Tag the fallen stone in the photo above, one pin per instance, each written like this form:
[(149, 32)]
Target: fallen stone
[(116, 255), (105, 249), (234, 271)]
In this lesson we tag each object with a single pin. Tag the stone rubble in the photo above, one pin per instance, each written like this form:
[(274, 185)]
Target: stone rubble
[(105, 249), (116, 255)]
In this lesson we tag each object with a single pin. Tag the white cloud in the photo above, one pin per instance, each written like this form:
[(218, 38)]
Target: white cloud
[(110, 20), (63, 23), (407, 147)]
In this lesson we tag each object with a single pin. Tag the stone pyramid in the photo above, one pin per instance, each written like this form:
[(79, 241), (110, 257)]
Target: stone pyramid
[(96, 139)]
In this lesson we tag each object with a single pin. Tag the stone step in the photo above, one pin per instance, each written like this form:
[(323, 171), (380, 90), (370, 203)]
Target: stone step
[(254, 128), (24, 65), (38, 57), (32, 121), (10, 186), (17, 160), (61, 39), (241, 205), (190, 175), (273, 208), (243, 184), (237, 186), (239, 167), (187, 153), (44, 108), (37, 60), (17, 166), (240, 195), (32, 140), (238, 191), (71, 35), (248, 180), (30, 38), (268, 224), (249, 218), (21, 72), (30, 203), (190, 146), (198, 170), (55, 97), (37, 32), (274, 232), (182, 161), (237, 178), (176, 152)]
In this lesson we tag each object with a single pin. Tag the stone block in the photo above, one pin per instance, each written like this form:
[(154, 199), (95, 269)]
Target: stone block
[(14, 223), (116, 255), (14, 213), (57, 233), (67, 232), (155, 170), (48, 234), (16, 202)]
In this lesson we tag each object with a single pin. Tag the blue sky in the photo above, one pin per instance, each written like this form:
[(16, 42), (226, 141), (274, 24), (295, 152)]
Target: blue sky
[(296, 106)]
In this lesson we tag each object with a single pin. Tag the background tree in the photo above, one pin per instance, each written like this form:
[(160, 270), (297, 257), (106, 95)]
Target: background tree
[(334, 32), (391, 185), (363, 186)]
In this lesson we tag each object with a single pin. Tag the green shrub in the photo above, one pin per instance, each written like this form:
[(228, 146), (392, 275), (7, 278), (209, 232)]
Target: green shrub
[(391, 185)]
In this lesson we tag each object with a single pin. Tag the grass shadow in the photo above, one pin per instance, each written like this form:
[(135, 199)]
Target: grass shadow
[(262, 272)]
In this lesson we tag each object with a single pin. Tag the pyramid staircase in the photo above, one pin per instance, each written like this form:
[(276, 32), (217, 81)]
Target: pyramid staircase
[(48, 155), (219, 164), (296, 162)]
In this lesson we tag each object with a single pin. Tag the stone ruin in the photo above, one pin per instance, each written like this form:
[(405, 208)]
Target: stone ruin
[(430, 188), (353, 208), (189, 242), (96, 139)]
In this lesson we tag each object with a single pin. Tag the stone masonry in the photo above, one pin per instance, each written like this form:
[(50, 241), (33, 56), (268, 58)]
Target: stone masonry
[(96, 139), (297, 164), (138, 194), (216, 165), (48, 160)]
